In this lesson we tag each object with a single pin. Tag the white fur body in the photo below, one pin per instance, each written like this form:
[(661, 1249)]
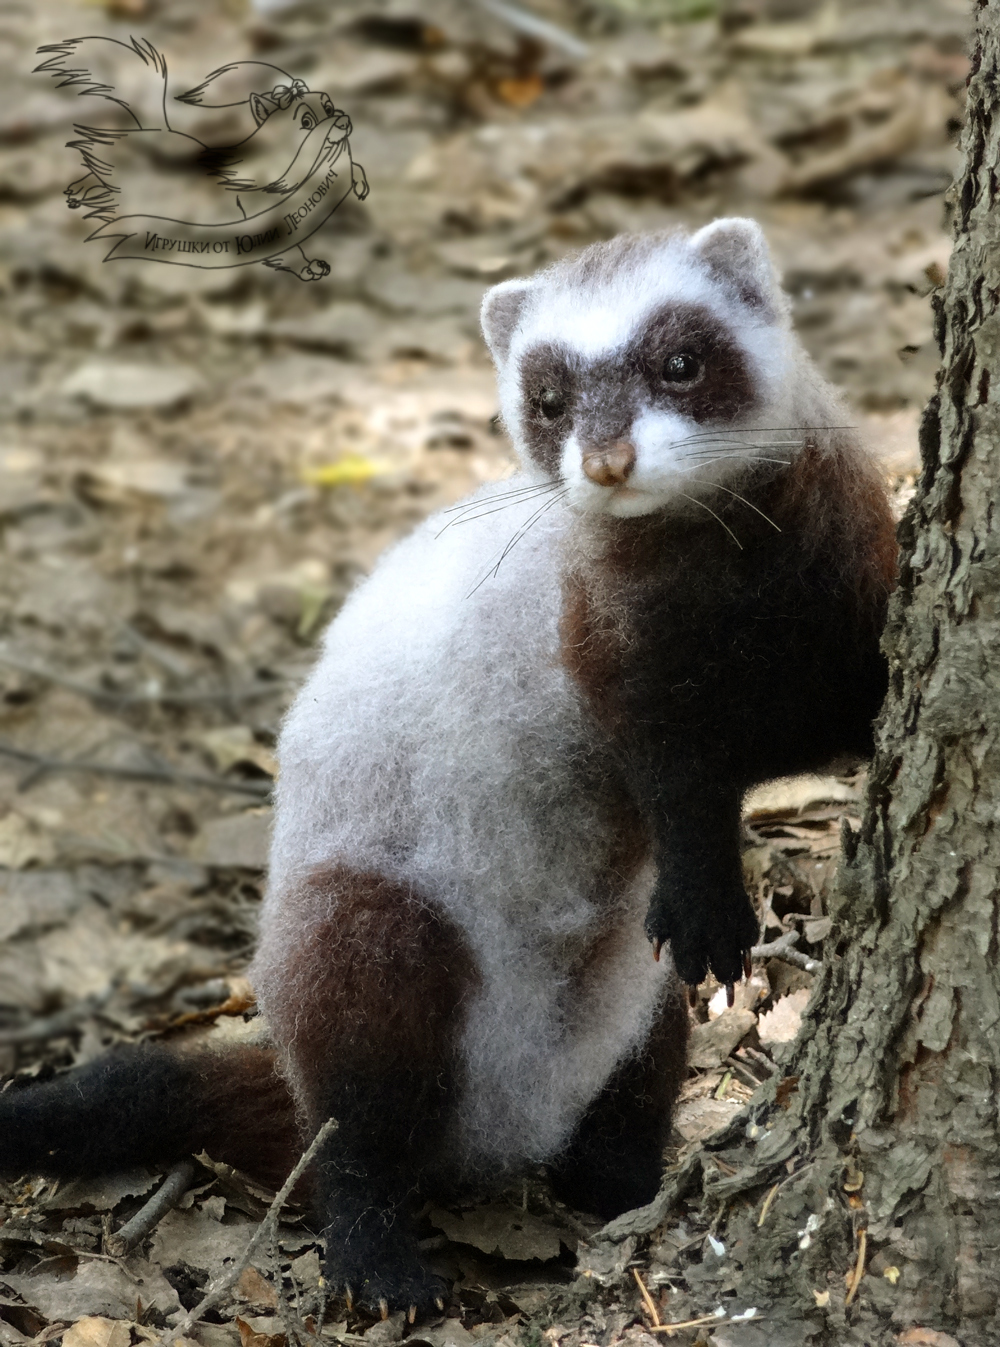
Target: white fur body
[(440, 742)]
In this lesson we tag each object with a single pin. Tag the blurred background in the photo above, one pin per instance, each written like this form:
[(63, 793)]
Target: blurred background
[(197, 465)]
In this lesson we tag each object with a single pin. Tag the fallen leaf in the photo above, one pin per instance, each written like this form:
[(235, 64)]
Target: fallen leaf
[(250, 1337), (795, 794), (240, 840), (255, 1289), (697, 1119), (926, 1337), (92, 1287), (118, 386), (95, 1331), (231, 745), (781, 1024), (349, 470), (521, 93), (500, 1230), (710, 1044)]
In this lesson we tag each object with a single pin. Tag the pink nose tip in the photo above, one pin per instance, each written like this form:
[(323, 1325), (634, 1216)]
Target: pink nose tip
[(611, 464)]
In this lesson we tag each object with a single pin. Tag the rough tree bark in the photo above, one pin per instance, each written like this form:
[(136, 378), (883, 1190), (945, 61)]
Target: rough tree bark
[(883, 1132)]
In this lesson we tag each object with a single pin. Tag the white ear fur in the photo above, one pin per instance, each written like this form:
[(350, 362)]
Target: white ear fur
[(735, 251), (500, 314)]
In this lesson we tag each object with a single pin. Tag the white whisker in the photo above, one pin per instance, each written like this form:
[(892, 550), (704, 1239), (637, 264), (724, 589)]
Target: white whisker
[(763, 430), (470, 517), (718, 458), (736, 496), (695, 501), (499, 495), (517, 538)]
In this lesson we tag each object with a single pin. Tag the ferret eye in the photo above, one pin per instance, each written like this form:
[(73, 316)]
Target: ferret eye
[(681, 368), (551, 403), (307, 122)]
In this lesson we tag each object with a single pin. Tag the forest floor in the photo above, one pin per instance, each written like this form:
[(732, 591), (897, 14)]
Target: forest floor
[(197, 465)]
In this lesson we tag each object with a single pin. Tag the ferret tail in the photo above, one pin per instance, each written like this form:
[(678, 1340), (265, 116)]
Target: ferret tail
[(152, 1105)]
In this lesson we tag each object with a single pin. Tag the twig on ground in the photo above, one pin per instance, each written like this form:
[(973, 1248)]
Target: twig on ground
[(859, 1267), (647, 1299), (783, 948), (671, 1329), (766, 1207), (166, 1197), (167, 776), (265, 1232), (744, 1073), (62, 1022), (532, 25), (760, 1059), (125, 700)]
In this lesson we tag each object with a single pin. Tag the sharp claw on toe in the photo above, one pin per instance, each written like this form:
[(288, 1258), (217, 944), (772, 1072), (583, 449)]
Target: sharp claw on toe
[(383, 1308), (439, 1302), (747, 965), (730, 995), (349, 1297), (411, 1315), (657, 946), (692, 996)]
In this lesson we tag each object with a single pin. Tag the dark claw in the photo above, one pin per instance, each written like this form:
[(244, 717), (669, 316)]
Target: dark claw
[(692, 997), (657, 946), (730, 995), (747, 965)]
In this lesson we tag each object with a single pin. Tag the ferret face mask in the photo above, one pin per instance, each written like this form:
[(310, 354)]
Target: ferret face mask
[(625, 375)]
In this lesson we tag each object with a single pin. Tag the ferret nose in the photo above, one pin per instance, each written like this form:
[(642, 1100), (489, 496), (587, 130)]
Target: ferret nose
[(611, 464)]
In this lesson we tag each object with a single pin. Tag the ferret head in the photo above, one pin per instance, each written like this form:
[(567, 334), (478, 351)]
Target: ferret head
[(616, 367)]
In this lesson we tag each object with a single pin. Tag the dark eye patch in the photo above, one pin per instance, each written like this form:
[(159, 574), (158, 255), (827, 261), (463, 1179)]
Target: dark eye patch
[(683, 360), (548, 388), (691, 364)]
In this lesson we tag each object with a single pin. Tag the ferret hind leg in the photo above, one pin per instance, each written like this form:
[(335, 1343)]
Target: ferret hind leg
[(614, 1161), (367, 1008)]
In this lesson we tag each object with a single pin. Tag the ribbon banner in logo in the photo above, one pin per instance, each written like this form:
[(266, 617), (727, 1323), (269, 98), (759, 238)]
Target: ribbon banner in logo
[(290, 220)]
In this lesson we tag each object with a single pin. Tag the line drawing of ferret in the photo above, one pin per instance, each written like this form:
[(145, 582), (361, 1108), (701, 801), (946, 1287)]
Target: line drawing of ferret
[(270, 189)]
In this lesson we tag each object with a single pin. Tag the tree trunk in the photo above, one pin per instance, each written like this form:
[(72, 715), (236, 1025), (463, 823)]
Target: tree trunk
[(884, 1133)]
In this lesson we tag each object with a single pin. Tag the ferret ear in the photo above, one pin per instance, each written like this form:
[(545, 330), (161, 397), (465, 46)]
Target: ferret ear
[(501, 313), (736, 252), (261, 107)]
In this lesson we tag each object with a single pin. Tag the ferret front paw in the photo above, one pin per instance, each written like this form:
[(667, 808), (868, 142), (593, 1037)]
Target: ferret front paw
[(719, 938), (393, 1280)]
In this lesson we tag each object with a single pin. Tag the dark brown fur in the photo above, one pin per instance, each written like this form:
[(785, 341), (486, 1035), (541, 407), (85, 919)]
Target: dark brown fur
[(371, 1040), (713, 666)]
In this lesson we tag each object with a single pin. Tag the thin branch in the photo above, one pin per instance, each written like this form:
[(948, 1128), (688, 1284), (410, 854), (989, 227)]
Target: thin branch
[(167, 776), (532, 25), (62, 1022), (783, 948), (265, 1232), (124, 700), (166, 1197)]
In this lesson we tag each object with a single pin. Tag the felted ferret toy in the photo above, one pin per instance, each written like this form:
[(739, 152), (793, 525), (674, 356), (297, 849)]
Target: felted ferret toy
[(520, 760)]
